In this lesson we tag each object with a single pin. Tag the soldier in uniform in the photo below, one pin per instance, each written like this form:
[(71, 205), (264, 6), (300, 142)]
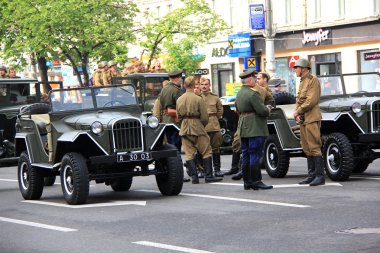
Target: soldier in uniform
[(168, 100), (253, 130), (156, 110), (13, 73), (98, 75), (308, 115), (193, 117), (3, 72), (215, 112), (110, 73)]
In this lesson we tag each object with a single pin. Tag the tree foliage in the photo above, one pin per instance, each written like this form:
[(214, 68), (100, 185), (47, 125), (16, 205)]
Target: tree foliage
[(194, 23), (77, 30)]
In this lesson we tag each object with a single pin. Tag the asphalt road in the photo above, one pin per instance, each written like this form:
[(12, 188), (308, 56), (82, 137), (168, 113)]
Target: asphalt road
[(337, 217)]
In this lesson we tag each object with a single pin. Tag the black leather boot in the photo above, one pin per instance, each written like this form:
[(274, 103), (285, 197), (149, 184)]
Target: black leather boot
[(310, 171), (216, 163), (209, 178), (256, 178), (247, 176), (237, 176), (193, 169), (234, 164), (319, 171)]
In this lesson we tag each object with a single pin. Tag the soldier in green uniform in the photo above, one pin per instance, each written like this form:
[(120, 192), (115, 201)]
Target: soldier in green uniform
[(193, 117), (98, 75), (168, 101), (308, 115), (215, 112), (253, 130)]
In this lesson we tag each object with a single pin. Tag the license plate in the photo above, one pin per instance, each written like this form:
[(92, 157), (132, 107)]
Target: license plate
[(133, 157)]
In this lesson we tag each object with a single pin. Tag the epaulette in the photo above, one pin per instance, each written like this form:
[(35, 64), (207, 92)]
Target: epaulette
[(176, 86)]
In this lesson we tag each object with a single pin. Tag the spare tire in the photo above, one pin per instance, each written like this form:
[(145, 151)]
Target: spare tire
[(284, 98), (37, 108)]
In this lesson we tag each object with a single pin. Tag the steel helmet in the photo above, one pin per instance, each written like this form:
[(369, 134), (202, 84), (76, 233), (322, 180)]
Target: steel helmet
[(111, 63), (303, 63)]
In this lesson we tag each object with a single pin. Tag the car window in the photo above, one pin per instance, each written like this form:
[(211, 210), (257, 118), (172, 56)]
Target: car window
[(115, 96), (331, 85), (362, 83)]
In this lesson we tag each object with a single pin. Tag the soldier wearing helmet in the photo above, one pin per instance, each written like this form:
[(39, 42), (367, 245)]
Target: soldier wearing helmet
[(110, 73), (3, 72), (308, 115), (98, 75)]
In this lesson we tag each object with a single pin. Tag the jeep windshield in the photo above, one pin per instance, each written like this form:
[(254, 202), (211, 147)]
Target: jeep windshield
[(92, 98), (350, 84)]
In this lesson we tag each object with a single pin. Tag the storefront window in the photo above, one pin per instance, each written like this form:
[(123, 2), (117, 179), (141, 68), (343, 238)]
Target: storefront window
[(368, 61), (221, 75), (284, 72), (326, 64)]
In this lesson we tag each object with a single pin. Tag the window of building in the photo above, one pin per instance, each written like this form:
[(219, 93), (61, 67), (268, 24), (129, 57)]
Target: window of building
[(376, 6), (221, 75), (158, 11), (368, 64), (169, 7), (317, 10), (342, 8), (288, 11), (326, 64)]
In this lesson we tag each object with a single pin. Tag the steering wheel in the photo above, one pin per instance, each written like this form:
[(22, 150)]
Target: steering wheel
[(113, 103)]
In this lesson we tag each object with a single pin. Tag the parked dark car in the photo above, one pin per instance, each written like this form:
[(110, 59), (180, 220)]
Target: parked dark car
[(350, 127), (97, 133)]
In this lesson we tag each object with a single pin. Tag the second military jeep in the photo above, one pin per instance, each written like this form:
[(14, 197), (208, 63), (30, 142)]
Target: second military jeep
[(350, 127), (97, 133)]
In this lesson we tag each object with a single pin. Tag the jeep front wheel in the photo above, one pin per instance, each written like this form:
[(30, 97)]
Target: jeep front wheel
[(275, 158), (338, 155), (121, 184), (74, 178), (30, 181), (170, 178)]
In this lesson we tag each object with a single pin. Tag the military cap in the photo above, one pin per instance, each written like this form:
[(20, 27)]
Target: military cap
[(104, 63), (175, 73), (100, 65), (247, 74), (277, 84), (2, 67), (111, 63)]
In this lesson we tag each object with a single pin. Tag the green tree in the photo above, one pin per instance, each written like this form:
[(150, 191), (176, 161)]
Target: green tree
[(194, 23), (77, 30)]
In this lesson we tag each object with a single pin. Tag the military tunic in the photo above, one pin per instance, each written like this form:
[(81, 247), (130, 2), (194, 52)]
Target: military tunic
[(108, 75), (307, 104), (215, 112), (193, 117), (98, 78), (168, 99)]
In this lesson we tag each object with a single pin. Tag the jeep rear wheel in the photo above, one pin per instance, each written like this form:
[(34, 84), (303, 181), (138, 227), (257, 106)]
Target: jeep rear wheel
[(121, 184), (170, 180), (74, 178), (338, 155), (30, 181), (275, 158)]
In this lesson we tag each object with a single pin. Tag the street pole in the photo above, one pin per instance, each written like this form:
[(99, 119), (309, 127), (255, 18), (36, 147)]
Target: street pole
[(269, 33)]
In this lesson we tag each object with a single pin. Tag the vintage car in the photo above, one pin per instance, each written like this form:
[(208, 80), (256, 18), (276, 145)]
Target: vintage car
[(350, 127), (96, 133), (14, 94)]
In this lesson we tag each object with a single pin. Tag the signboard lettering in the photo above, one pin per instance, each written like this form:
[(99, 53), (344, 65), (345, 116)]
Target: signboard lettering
[(201, 72), (219, 52), (257, 16), (239, 45), (317, 37), (371, 56)]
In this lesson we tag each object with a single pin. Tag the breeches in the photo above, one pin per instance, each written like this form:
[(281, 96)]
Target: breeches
[(236, 146), (252, 150), (215, 141), (311, 138), (191, 144)]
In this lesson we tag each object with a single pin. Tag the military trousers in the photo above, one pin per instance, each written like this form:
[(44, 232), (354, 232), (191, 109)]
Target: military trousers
[(236, 146), (172, 137), (191, 144), (311, 138), (252, 150), (216, 140)]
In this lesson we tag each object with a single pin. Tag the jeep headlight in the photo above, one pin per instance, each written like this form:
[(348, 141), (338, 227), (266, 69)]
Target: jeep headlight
[(356, 107), (152, 122), (97, 128)]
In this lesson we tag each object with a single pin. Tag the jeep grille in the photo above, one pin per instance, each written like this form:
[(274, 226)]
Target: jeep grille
[(375, 116), (127, 135)]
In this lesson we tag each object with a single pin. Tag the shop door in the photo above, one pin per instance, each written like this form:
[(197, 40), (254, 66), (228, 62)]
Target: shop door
[(224, 77)]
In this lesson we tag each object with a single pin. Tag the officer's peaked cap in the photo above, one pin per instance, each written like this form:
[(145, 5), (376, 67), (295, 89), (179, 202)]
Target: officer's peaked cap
[(175, 73), (247, 74)]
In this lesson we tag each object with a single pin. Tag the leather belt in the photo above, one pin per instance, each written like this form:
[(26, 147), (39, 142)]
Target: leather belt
[(213, 114), (191, 117), (247, 113)]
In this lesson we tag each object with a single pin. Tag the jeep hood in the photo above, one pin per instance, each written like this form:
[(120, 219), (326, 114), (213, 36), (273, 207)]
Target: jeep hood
[(344, 103), (104, 117)]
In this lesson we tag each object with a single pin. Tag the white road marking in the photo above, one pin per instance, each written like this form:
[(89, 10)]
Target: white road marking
[(38, 225), (373, 178), (8, 180), (282, 185), (171, 247), (112, 203), (237, 199)]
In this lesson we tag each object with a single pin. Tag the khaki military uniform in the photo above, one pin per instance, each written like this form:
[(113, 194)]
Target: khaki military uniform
[(215, 112), (307, 104), (98, 78), (108, 75), (168, 99), (193, 117), (156, 110)]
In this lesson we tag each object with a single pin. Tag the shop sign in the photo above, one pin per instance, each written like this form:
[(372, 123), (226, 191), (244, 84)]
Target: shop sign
[(219, 52), (201, 72), (257, 16), (239, 45), (232, 88), (318, 37), (371, 56), (292, 60)]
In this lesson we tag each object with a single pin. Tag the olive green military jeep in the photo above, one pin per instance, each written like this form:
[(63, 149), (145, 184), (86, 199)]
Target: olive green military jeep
[(350, 127), (96, 133), (14, 94)]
